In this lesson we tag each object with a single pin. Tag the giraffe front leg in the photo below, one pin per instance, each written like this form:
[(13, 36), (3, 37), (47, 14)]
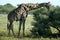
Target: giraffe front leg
[(20, 23), (24, 28)]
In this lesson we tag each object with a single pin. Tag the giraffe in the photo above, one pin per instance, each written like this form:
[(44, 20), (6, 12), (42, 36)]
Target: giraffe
[(22, 10), (13, 16)]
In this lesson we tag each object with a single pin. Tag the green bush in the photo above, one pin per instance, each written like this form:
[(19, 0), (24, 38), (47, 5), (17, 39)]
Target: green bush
[(44, 19)]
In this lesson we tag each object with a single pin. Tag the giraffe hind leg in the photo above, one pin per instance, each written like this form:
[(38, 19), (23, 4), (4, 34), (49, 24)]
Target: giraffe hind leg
[(10, 28)]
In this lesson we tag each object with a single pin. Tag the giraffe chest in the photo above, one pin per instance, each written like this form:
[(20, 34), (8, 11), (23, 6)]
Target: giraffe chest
[(22, 16)]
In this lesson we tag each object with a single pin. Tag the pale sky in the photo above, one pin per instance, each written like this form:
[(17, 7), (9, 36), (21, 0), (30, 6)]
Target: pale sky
[(15, 2)]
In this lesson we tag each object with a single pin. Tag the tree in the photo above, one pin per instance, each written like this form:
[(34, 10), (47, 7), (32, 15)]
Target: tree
[(44, 19), (6, 8)]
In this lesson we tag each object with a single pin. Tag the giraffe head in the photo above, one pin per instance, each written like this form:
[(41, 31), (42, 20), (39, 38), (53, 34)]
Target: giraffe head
[(45, 4)]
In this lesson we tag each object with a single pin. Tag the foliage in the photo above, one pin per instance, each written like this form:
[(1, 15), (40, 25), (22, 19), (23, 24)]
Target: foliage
[(45, 19)]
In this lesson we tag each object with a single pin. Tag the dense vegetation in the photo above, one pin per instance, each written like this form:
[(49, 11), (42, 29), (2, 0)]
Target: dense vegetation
[(45, 19)]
